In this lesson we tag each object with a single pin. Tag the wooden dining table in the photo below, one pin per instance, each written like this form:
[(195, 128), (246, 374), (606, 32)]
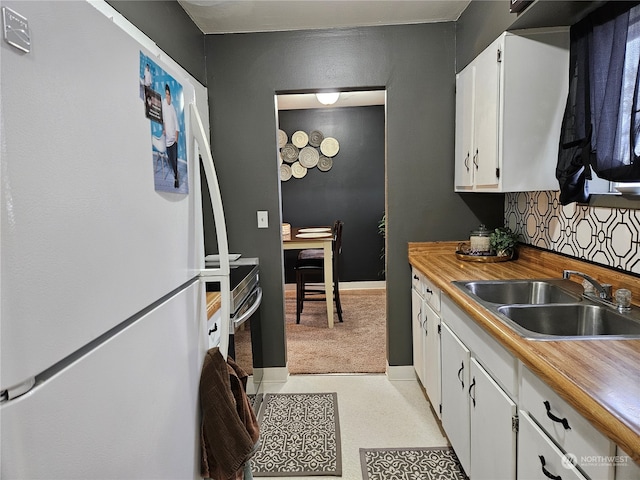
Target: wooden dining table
[(302, 238)]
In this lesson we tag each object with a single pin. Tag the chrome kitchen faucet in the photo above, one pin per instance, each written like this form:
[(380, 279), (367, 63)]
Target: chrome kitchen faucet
[(623, 296)]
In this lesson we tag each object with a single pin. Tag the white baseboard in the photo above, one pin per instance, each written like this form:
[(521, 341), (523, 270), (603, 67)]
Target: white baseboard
[(401, 372), (373, 285), (273, 374)]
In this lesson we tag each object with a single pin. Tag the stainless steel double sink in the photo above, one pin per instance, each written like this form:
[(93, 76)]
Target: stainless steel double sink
[(552, 309)]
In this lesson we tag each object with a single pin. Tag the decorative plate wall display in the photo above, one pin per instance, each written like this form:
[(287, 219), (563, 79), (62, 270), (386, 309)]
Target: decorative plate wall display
[(303, 152), (315, 138), (297, 170), (309, 157), (282, 138), (300, 139), (329, 147), (325, 163), (285, 172), (289, 153)]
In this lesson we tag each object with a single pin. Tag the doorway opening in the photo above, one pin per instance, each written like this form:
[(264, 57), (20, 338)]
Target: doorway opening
[(351, 189)]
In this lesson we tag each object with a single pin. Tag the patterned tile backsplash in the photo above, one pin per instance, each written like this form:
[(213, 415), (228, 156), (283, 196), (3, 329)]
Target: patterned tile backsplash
[(608, 236)]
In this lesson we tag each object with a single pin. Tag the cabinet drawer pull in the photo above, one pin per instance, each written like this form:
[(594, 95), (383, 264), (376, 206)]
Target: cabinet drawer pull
[(415, 277), (563, 421), (472, 387), (546, 472), (459, 373), (429, 291), (214, 329)]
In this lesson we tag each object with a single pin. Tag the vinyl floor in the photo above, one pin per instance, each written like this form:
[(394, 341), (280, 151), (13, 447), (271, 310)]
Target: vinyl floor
[(374, 412)]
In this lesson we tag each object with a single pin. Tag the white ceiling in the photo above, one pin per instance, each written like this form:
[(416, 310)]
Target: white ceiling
[(242, 16), (300, 101)]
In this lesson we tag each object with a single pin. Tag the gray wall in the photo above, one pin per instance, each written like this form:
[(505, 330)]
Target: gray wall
[(167, 24), (480, 24), (352, 191), (484, 20), (416, 64)]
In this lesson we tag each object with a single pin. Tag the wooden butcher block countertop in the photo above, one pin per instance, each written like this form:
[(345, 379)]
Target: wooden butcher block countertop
[(213, 303), (599, 378)]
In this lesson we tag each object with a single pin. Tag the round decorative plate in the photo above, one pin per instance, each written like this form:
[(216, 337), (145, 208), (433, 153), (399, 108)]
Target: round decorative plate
[(282, 138), (315, 138), (309, 157), (324, 163), (297, 170), (314, 230), (300, 139), (289, 153), (329, 147), (285, 172), (314, 235)]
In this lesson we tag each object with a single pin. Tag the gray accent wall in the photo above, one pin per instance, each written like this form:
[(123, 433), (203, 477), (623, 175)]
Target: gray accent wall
[(480, 24), (167, 24), (351, 191), (416, 65)]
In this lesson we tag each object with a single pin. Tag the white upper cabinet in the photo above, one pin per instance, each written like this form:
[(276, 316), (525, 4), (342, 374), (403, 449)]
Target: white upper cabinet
[(509, 106)]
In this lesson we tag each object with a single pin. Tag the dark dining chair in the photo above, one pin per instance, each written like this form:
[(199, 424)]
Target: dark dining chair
[(309, 270)]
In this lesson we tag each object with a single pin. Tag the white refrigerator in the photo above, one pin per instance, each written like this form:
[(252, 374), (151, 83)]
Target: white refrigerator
[(102, 325)]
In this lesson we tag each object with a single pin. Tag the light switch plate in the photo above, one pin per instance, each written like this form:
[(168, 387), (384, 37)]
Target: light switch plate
[(15, 28), (263, 219)]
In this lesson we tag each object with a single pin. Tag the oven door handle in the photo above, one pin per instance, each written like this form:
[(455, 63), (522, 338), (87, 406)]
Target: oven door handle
[(251, 310)]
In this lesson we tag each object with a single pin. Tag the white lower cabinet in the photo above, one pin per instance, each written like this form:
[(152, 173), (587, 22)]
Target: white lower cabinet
[(493, 436), (477, 414), (455, 402), (432, 358), (418, 333), (567, 428), (478, 383), (538, 457), (425, 324), (626, 468)]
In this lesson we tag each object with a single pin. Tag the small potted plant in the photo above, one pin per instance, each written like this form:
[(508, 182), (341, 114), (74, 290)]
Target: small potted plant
[(503, 241)]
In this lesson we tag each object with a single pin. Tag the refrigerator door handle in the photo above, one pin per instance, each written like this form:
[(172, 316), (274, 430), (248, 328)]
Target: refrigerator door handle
[(17, 390), (221, 274)]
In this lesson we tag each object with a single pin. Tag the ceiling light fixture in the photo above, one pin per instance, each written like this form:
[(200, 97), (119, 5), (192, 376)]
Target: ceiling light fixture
[(328, 98)]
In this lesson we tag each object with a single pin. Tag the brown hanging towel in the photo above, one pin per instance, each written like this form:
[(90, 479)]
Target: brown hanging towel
[(229, 426)]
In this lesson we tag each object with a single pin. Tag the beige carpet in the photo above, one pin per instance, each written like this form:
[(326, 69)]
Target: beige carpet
[(358, 345)]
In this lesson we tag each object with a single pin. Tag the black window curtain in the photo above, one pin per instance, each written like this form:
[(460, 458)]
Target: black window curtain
[(601, 124)]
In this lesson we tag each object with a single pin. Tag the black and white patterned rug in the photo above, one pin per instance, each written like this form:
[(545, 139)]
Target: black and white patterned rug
[(299, 436), (439, 463)]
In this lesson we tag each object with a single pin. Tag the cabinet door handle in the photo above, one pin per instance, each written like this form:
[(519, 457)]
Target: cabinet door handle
[(415, 277), (214, 329), (563, 421), (546, 472), (475, 159), (473, 387), (466, 161), (459, 373), (429, 291), (426, 319)]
